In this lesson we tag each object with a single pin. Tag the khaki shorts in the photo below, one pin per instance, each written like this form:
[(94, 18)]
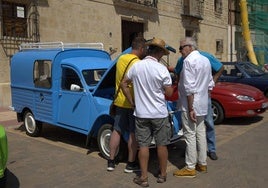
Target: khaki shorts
[(158, 128)]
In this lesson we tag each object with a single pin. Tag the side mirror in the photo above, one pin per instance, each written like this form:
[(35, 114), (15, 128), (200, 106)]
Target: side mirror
[(75, 87)]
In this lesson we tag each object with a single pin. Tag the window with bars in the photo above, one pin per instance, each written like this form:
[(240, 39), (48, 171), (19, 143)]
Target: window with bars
[(219, 46), (193, 8), (14, 19)]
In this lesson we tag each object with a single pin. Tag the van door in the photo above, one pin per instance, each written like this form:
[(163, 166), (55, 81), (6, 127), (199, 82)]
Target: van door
[(43, 93), (74, 105)]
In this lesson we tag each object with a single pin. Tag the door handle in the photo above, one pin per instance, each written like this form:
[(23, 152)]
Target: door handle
[(41, 96)]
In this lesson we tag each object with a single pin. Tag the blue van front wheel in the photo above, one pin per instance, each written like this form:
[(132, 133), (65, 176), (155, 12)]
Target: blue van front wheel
[(104, 136), (33, 127)]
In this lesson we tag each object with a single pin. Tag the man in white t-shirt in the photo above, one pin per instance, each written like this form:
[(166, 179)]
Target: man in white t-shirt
[(151, 82)]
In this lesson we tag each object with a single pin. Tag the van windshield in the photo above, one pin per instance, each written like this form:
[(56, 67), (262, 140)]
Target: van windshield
[(92, 77)]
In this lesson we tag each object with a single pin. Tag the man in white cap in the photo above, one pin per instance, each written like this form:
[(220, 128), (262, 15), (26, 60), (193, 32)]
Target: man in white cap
[(151, 81)]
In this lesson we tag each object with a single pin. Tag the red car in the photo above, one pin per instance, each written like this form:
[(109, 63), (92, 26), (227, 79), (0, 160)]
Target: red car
[(236, 100)]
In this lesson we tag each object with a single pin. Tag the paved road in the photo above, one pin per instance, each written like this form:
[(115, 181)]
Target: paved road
[(59, 159)]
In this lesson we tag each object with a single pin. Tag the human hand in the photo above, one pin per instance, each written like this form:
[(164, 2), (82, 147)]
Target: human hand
[(193, 116)]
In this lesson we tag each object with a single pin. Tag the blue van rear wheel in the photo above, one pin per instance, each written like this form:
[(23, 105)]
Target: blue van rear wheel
[(33, 127)]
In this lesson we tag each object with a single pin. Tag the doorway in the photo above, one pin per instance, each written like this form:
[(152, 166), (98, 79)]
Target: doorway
[(129, 31)]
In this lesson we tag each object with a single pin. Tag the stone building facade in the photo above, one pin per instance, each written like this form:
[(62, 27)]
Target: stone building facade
[(112, 22)]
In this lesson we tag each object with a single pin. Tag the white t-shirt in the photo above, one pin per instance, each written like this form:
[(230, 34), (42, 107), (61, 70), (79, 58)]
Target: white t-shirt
[(149, 78)]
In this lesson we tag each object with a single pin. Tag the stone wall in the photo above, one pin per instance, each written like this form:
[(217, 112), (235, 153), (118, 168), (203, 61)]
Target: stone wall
[(100, 21), (4, 80)]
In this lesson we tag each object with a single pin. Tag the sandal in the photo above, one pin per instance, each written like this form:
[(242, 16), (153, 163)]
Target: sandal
[(141, 182), (161, 179)]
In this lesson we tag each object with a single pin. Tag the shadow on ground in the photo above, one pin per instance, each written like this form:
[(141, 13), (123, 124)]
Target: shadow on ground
[(238, 121), (11, 180), (58, 134), (175, 157)]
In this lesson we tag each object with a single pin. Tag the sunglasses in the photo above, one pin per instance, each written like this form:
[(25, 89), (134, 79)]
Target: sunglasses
[(181, 47)]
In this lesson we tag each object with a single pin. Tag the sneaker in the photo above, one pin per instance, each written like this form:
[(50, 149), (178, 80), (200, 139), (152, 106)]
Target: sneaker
[(201, 168), (111, 165), (185, 172), (212, 155), (131, 167)]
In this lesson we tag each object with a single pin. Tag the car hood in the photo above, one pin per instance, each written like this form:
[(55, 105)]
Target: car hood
[(234, 89), (264, 77)]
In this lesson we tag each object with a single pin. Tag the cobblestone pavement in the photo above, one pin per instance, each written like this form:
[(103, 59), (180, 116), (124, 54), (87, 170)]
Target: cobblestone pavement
[(58, 158)]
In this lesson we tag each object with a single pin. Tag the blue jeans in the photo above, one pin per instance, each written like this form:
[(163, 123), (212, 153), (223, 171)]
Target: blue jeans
[(211, 140)]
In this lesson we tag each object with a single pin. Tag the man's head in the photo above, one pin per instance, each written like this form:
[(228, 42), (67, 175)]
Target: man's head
[(157, 48), (187, 45), (139, 47)]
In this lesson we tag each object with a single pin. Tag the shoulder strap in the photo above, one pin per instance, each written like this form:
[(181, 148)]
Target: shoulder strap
[(119, 87), (127, 67)]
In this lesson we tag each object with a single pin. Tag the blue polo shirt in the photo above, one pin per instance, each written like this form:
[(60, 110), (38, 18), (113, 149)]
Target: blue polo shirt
[(214, 62)]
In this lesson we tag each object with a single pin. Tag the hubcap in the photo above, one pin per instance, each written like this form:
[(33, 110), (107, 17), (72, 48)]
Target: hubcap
[(30, 123), (105, 140), (215, 113)]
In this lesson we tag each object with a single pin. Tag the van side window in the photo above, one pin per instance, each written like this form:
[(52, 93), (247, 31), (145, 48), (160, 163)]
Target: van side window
[(69, 77), (42, 73)]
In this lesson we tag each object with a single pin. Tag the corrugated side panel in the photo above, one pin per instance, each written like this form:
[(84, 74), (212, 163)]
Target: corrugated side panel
[(22, 98), (44, 107), (39, 102)]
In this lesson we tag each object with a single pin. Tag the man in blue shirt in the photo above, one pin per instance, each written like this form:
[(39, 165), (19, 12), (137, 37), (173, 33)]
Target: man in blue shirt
[(217, 69)]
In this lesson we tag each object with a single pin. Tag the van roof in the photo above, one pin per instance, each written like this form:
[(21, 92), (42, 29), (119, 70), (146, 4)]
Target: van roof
[(81, 63)]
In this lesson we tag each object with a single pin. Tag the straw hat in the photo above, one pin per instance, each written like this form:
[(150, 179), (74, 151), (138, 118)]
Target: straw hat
[(159, 43)]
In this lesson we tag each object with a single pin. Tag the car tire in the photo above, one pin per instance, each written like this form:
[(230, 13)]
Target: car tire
[(33, 127), (218, 113), (103, 139)]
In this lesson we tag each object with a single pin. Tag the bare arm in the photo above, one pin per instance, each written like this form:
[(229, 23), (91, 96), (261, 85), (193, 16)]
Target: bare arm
[(168, 91), (124, 86), (218, 74), (177, 76)]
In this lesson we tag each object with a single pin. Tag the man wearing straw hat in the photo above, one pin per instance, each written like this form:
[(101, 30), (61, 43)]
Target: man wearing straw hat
[(151, 81)]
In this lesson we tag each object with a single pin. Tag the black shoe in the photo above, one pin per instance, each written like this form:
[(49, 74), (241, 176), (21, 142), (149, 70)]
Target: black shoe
[(110, 165), (132, 167), (212, 155)]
